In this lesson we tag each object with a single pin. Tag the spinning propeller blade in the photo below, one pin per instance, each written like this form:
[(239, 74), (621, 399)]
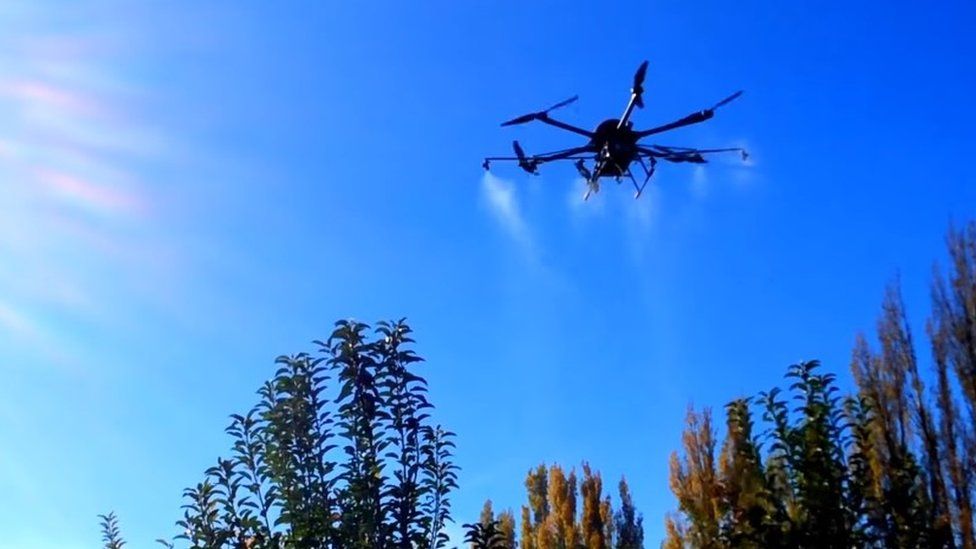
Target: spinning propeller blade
[(693, 158), (562, 103), (525, 163), (521, 119), (518, 151), (680, 154), (727, 100), (640, 74), (638, 89), (537, 115), (685, 154)]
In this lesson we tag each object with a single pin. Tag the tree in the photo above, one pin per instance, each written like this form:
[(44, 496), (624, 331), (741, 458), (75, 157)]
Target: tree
[(745, 497), (952, 328), (596, 522), (339, 451), (553, 520), (484, 536), (110, 531), (889, 466), (911, 512), (694, 482), (795, 497), (628, 521), (503, 524), (506, 525)]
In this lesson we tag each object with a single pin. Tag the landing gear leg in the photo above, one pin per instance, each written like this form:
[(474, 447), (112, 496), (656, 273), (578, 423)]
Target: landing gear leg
[(647, 175), (593, 186)]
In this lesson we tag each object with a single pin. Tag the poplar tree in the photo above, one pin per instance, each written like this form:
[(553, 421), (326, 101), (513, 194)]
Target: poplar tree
[(694, 481), (629, 523), (503, 523), (952, 328), (593, 523), (566, 513)]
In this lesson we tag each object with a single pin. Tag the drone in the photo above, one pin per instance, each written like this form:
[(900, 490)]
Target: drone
[(614, 146)]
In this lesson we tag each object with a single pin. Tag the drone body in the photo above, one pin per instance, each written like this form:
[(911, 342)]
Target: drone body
[(620, 144), (614, 146)]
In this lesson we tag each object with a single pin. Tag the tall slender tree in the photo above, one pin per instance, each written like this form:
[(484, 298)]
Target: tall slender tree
[(503, 523), (406, 395), (628, 522), (694, 481), (593, 523), (564, 512), (744, 504), (952, 328)]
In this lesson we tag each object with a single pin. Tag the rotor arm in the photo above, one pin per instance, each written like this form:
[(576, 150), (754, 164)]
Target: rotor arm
[(685, 154), (693, 118), (530, 163), (546, 119), (543, 116), (564, 154)]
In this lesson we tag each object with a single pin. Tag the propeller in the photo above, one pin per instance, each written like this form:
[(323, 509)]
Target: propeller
[(685, 154), (727, 100), (680, 154), (693, 158), (541, 114), (562, 103), (671, 150), (524, 162), (638, 89)]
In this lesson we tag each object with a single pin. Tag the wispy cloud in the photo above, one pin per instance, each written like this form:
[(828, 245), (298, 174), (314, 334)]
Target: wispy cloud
[(77, 230), (39, 94), (87, 194), (16, 324)]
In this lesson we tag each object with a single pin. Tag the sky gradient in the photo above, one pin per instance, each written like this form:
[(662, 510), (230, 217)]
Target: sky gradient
[(186, 193)]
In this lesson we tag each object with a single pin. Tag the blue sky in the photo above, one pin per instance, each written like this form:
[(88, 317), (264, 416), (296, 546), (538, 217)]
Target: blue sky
[(187, 192)]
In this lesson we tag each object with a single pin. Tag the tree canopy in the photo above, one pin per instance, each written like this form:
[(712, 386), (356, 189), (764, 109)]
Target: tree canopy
[(341, 451), (890, 465)]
